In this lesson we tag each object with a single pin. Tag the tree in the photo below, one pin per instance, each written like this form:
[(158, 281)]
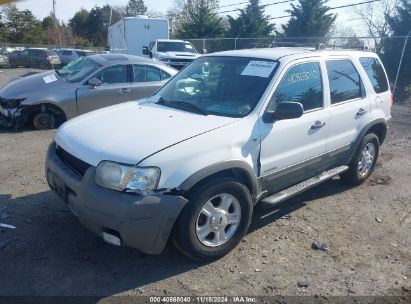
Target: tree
[(19, 25), (373, 16), (79, 23), (401, 26), (93, 25), (199, 19), (135, 8), (309, 18), (251, 23)]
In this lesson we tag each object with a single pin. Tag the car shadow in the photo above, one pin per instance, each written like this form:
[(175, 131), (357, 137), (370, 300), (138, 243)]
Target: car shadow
[(55, 255)]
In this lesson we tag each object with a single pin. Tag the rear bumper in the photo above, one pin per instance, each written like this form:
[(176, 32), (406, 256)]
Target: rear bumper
[(142, 222)]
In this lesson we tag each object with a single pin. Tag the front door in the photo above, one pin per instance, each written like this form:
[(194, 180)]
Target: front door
[(289, 147), (115, 88)]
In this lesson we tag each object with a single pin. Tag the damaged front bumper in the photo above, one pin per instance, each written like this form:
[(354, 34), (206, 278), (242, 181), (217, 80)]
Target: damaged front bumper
[(12, 117)]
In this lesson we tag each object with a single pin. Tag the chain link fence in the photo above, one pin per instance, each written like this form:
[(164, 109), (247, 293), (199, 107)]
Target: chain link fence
[(397, 63)]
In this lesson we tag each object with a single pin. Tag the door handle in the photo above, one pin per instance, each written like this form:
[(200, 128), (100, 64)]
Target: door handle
[(318, 125), (124, 91), (361, 111)]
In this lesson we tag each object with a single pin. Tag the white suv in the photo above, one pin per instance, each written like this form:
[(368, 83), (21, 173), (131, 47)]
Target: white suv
[(175, 53), (230, 130)]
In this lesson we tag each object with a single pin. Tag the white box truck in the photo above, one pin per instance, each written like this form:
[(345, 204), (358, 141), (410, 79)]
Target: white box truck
[(130, 34)]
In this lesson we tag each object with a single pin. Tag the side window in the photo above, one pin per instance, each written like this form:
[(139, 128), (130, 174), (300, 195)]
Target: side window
[(164, 75), (345, 82), (302, 83), (139, 73), (375, 72), (152, 74), (114, 74), (66, 53)]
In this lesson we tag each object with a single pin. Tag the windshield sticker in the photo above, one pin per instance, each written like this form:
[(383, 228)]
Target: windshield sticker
[(259, 68), (50, 78)]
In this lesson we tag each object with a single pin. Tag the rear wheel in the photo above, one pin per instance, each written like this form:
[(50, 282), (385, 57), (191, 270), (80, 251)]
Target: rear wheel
[(363, 162), (215, 219), (44, 121)]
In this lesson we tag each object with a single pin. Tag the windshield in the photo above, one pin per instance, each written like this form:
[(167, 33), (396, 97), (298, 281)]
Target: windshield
[(78, 69), (175, 47), (225, 86)]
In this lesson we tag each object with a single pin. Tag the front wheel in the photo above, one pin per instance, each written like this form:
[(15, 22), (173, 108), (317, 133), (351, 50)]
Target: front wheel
[(363, 162), (215, 219), (44, 121)]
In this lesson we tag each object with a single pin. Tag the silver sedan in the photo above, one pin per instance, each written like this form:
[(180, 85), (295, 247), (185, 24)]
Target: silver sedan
[(86, 84)]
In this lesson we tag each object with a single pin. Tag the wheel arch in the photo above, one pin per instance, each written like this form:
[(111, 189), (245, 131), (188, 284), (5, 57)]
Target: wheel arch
[(378, 127), (233, 169), (46, 107)]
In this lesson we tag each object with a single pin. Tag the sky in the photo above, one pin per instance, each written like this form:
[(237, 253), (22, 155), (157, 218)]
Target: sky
[(65, 9)]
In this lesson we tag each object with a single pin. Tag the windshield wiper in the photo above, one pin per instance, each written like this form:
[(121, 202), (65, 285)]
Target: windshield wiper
[(57, 72), (183, 105)]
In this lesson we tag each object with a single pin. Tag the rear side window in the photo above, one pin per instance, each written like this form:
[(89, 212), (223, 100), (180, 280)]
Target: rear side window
[(345, 82), (152, 74), (302, 83), (375, 72)]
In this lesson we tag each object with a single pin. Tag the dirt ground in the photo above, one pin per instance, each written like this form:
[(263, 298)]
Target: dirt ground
[(367, 230)]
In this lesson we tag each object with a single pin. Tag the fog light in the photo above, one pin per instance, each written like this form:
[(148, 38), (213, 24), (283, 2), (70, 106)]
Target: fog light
[(111, 239)]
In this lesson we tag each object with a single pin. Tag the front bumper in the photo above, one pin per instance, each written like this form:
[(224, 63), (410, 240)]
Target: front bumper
[(142, 222), (11, 117)]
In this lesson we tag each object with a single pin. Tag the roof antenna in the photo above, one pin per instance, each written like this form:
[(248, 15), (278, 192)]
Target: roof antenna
[(321, 46)]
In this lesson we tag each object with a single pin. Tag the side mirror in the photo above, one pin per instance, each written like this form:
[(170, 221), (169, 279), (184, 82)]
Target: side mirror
[(204, 51), (94, 83), (145, 50), (284, 110)]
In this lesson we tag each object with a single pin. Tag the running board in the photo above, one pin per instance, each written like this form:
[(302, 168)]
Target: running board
[(303, 186)]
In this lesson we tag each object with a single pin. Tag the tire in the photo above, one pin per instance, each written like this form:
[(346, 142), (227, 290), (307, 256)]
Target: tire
[(187, 239), (44, 121), (361, 166)]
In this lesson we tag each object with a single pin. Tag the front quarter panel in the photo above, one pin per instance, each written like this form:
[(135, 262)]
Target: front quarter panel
[(237, 143)]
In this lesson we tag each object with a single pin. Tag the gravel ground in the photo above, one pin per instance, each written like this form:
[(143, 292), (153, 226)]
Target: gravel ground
[(367, 231)]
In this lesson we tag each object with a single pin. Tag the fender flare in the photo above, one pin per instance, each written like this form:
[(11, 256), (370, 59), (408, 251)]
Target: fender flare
[(365, 130), (235, 165)]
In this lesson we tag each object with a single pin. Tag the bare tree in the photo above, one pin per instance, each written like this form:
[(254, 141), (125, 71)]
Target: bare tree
[(374, 16)]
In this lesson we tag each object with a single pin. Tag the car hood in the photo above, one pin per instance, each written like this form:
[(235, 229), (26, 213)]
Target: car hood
[(129, 132), (33, 85)]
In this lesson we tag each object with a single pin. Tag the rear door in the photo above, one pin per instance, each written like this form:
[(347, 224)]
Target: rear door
[(349, 105), (115, 88), (289, 148), (381, 98)]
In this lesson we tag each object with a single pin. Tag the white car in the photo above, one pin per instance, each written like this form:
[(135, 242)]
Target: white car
[(230, 130)]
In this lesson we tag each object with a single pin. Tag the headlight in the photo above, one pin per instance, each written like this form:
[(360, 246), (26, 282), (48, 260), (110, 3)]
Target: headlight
[(14, 103), (126, 178)]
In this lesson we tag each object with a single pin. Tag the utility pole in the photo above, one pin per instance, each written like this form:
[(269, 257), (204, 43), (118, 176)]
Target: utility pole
[(55, 22)]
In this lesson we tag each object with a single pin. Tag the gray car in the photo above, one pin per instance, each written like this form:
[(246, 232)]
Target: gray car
[(86, 84)]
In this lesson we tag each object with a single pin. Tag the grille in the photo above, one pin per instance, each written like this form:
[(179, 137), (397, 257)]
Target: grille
[(181, 60), (77, 165)]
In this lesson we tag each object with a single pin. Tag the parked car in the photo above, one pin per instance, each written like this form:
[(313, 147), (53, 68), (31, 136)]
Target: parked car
[(34, 58), (69, 55), (230, 130), (4, 59), (88, 83), (175, 53)]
